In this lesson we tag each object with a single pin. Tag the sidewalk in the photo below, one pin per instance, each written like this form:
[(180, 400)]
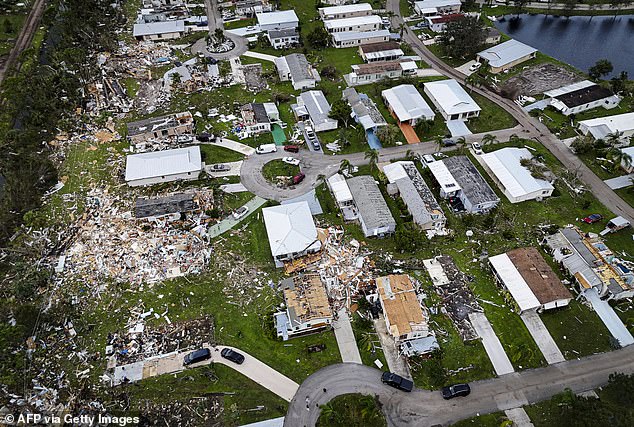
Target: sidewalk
[(492, 345), (262, 56), (519, 417), (229, 222), (345, 338), (235, 146)]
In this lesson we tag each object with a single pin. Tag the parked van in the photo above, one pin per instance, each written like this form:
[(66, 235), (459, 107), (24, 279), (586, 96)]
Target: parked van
[(266, 148)]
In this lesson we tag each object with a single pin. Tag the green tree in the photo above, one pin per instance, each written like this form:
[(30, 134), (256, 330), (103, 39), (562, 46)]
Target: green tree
[(601, 68), (619, 84), (8, 26), (613, 138), (582, 144), (519, 5), (372, 156), (569, 6), (489, 139), (423, 127), (341, 111), (463, 38), (461, 143), (388, 134), (620, 159), (319, 38)]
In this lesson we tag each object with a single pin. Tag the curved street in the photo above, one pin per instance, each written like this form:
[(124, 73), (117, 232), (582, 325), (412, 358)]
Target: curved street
[(427, 408), (214, 20), (536, 130)]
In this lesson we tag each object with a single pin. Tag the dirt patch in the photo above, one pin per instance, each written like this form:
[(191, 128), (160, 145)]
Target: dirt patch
[(540, 78)]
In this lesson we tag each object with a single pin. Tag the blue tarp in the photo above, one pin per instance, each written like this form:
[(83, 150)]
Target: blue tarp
[(373, 140)]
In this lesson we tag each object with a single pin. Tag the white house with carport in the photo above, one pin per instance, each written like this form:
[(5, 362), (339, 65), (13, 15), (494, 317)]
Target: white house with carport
[(358, 23), (529, 279), (407, 104), (163, 166), (453, 102), (313, 106), (437, 7), (385, 51), (157, 31), (358, 38), (363, 74), (291, 231), (374, 214), (345, 11), (515, 180), (601, 127), (277, 20), (296, 68), (343, 197), (506, 55), (582, 96)]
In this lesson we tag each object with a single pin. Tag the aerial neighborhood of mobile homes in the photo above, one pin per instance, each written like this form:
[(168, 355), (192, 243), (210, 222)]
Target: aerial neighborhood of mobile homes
[(340, 202)]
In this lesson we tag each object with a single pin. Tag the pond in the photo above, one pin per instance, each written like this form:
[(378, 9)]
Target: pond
[(579, 40)]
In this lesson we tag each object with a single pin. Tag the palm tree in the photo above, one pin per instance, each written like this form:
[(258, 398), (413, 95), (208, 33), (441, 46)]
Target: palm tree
[(438, 143), (409, 155), (489, 139), (613, 139), (619, 159), (369, 407), (514, 139), (345, 165), (373, 156)]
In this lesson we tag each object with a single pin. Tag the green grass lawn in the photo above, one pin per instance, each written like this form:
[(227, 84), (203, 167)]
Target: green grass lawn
[(276, 168), (241, 23), (492, 117), (352, 410), (232, 201), (495, 419), (215, 154), (367, 341), (10, 26), (244, 400), (569, 328)]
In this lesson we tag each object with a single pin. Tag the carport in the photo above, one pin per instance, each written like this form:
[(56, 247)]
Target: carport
[(458, 128)]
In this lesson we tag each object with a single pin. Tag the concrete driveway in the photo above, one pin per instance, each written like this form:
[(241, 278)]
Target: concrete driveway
[(234, 170), (492, 345), (464, 68), (542, 337), (229, 222)]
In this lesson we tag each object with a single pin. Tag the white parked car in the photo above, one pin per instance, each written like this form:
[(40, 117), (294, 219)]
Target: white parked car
[(291, 161), (240, 212), (477, 148), (427, 159), (475, 67)]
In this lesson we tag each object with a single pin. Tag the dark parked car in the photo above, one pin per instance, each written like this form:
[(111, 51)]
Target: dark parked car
[(591, 219), (234, 356), (448, 142), (197, 356), (299, 178), (291, 148), (204, 137), (455, 390), (220, 167), (397, 381)]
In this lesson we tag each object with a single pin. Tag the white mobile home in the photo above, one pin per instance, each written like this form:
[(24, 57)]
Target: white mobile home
[(453, 102), (163, 166)]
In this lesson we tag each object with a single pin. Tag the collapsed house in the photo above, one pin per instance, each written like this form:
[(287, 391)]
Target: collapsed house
[(373, 212), (296, 68), (181, 164), (462, 184), (458, 301), (420, 201), (162, 127), (516, 181), (291, 231), (591, 263), (534, 286), (405, 318), (307, 307), (156, 207)]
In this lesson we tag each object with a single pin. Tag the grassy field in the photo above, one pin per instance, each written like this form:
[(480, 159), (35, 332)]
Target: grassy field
[(492, 117), (241, 23), (10, 26), (495, 419), (352, 410), (244, 400), (276, 168), (367, 341), (215, 154)]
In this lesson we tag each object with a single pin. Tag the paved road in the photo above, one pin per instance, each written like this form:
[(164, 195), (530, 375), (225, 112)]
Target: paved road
[(24, 38), (314, 164), (532, 127), (214, 19), (425, 408)]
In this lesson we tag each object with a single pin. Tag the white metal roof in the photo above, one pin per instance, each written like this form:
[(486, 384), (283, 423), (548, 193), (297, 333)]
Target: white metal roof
[(162, 163), (389, 53), (290, 228), (317, 106), (278, 17), (354, 21), (602, 126), (358, 35), (407, 103), (507, 52), (453, 99), (570, 88), (164, 27), (442, 175), (346, 8), (514, 282), (340, 188), (505, 164), (394, 171), (429, 4)]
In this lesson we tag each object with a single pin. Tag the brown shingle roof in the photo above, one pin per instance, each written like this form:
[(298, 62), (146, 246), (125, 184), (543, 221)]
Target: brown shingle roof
[(538, 275), (379, 47)]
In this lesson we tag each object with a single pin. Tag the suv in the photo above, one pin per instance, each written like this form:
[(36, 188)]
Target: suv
[(448, 142), (291, 148), (477, 148), (232, 355), (197, 356), (455, 390), (397, 381)]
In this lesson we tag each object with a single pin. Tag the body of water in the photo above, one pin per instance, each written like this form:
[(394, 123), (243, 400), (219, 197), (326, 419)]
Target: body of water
[(579, 40)]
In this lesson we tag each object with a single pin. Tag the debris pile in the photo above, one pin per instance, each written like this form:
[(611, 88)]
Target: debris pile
[(457, 299)]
